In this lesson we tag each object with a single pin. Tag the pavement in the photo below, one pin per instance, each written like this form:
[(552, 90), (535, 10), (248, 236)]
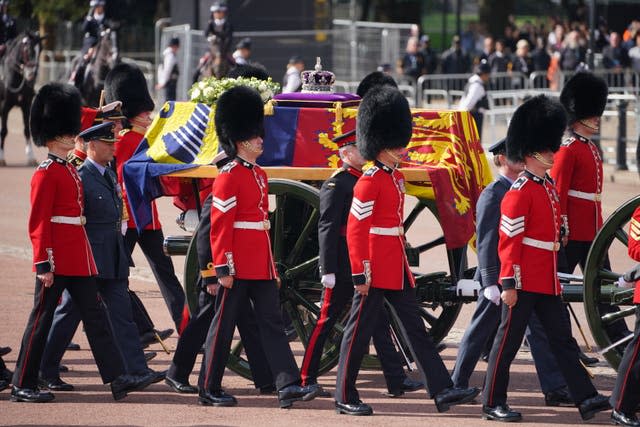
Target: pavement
[(91, 404)]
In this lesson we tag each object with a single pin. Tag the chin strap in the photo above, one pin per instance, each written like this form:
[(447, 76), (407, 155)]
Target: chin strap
[(589, 126), (247, 145), (541, 159), (395, 158), (65, 140)]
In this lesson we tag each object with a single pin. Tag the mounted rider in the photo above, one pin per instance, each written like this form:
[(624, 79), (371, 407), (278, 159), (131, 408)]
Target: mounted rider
[(8, 28)]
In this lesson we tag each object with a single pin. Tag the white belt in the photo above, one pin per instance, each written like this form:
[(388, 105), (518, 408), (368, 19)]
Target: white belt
[(387, 231), (72, 220), (540, 244), (253, 225), (594, 197)]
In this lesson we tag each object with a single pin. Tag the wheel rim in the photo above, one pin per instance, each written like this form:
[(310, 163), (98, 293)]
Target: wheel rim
[(598, 281)]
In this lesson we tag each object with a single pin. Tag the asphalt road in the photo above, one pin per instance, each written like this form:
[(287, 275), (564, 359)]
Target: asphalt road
[(91, 403)]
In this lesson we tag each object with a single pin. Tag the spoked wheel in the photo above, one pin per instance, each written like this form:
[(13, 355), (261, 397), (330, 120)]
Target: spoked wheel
[(294, 213), (604, 303)]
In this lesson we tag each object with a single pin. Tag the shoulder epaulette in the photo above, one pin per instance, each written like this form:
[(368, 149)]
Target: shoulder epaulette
[(519, 183), (371, 171), (123, 132), (568, 141), (45, 164), (227, 168)]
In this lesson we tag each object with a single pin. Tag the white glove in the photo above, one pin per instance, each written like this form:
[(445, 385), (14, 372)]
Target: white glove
[(123, 227), (621, 283), (492, 293), (328, 280)]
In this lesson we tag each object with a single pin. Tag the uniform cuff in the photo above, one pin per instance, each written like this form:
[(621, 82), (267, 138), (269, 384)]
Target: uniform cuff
[(43, 267), (359, 279), (222, 270), (489, 276), (508, 283)]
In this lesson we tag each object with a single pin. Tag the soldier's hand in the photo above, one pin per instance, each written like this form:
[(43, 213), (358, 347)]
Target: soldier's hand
[(278, 282), (510, 297), (565, 240), (226, 281), (213, 289), (46, 279), (362, 289)]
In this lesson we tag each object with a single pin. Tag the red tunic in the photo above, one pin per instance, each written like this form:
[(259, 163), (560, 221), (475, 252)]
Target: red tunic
[(577, 172), (56, 191), (126, 145), (240, 242), (529, 236), (376, 251), (634, 246)]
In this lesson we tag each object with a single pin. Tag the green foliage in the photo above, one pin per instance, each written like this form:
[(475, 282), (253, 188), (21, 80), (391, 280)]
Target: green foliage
[(50, 11), (209, 90)]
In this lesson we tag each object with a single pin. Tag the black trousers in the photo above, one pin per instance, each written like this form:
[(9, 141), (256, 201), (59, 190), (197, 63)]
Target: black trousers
[(575, 253), (626, 394), (363, 319), (84, 292), (195, 333), (150, 242), (334, 301), (263, 294), (552, 314)]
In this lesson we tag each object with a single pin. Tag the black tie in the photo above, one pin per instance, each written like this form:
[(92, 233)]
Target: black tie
[(107, 177)]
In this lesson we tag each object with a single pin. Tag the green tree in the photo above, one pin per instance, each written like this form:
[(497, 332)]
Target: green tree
[(47, 13)]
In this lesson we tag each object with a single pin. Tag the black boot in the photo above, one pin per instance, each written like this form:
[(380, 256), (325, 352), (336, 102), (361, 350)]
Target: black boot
[(500, 413), (359, 408), (31, 395), (454, 396), (590, 407)]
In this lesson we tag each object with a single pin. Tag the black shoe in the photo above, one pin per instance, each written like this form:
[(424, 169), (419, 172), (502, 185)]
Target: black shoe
[(55, 384), (318, 390), (3, 384), (500, 413), (454, 396), (145, 379), (590, 407), (359, 408), (216, 398), (32, 395), (150, 355), (73, 346), (268, 389), (149, 337), (4, 351), (559, 397), (63, 368), (122, 385), (6, 375), (179, 387), (293, 393), (407, 385), (622, 419), (588, 361)]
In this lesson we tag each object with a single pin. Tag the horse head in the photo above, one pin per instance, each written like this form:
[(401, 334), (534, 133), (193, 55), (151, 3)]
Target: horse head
[(28, 55)]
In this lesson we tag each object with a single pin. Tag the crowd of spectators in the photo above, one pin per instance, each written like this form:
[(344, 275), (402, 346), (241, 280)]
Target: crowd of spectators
[(547, 46)]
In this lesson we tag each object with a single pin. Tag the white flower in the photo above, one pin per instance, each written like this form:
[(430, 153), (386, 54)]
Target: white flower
[(195, 94), (262, 87), (208, 92), (202, 85), (266, 95)]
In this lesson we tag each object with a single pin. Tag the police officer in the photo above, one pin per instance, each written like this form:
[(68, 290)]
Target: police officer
[(8, 28), (94, 24), (335, 201), (577, 172), (379, 266), (626, 393), (241, 250), (126, 83), (220, 28), (529, 240), (66, 261), (169, 72), (486, 317)]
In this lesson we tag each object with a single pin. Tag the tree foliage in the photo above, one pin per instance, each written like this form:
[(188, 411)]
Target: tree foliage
[(48, 12)]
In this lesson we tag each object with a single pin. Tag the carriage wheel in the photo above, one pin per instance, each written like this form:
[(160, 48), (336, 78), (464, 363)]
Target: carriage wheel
[(599, 281)]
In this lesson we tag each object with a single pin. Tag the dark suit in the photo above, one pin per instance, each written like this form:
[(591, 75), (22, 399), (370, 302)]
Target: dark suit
[(486, 318), (336, 195), (103, 208)]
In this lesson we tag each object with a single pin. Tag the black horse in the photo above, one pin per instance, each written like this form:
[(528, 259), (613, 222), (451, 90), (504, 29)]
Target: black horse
[(20, 71), (91, 68)]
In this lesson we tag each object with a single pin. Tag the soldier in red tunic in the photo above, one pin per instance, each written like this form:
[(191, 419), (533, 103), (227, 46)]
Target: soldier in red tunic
[(241, 249), (62, 257), (379, 266), (529, 240), (626, 393)]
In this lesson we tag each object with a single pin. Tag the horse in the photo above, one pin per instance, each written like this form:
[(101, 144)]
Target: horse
[(20, 71), (92, 67), (213, 63)]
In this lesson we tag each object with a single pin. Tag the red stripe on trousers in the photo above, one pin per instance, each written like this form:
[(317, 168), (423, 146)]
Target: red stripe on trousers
[(495, 369), (346, 366), (215, 337), (626, 375), (322, 320), (33, 330)]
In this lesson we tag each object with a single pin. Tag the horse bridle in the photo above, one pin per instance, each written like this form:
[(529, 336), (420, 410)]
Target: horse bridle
[(23, 61)]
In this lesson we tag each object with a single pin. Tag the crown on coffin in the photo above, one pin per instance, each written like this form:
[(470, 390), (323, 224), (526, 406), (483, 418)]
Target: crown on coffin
[(318, 80)]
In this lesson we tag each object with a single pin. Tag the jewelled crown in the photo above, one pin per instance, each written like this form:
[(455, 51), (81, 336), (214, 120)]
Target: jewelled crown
[(318, 80)]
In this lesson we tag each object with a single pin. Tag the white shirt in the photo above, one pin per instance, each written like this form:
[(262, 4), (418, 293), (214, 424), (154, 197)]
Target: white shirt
[(237, 56), (476, 93), (292, 77), (165, 69), (98, 166)]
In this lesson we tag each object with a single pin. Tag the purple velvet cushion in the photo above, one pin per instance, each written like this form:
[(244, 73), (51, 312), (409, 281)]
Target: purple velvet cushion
[(324, 100)]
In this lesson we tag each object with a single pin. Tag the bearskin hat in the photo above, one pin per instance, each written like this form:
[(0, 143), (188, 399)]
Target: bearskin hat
[(384, 121), (537, 125), (55, 111), (377, 78), (239, 116), (126, 83), (584, 95), (248, 71)]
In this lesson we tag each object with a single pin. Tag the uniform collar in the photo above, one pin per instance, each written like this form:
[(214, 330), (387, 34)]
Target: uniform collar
[(57, 159), (353, 171), (244, 163), (579, 137), (384, 167), (533, 177)]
